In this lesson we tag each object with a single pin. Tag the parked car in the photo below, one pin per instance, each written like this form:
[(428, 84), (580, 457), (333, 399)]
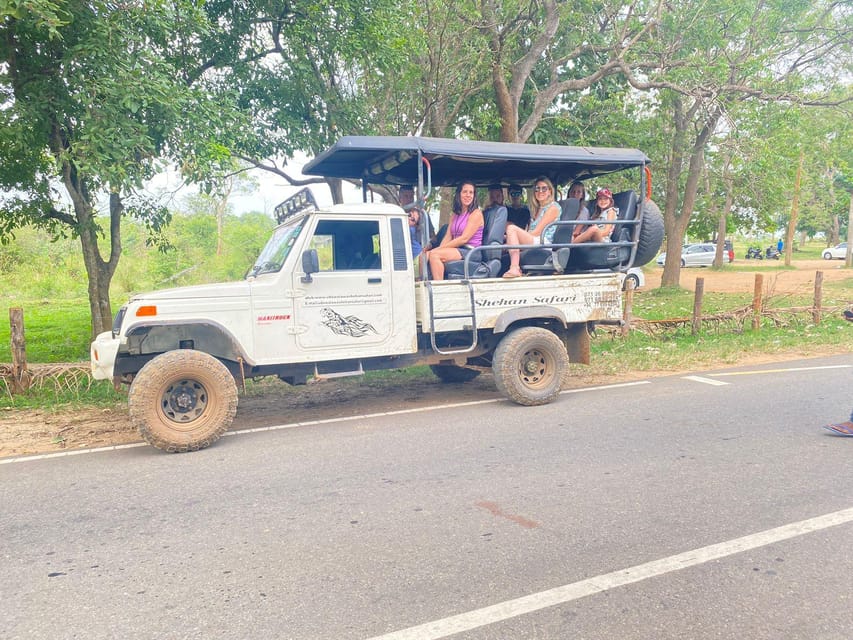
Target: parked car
[(635, 275), (839, 251), (697, 255)]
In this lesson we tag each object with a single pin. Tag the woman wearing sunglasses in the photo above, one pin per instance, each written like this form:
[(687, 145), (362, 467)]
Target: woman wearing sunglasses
[(545, 211)]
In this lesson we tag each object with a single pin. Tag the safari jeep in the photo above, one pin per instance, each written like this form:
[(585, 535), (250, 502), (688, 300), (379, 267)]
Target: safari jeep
[(336, 291)]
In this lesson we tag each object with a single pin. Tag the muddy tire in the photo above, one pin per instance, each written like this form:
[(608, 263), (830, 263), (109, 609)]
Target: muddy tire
[(451, 373), (651, 234), (530, 365), (182, 400)]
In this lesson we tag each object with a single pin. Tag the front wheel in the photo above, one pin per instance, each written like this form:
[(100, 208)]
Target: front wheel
[(182, 400), (827, 256), (530, 365)]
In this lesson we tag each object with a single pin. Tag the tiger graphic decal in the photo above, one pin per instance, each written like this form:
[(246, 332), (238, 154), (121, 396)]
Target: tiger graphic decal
[(346, 326)]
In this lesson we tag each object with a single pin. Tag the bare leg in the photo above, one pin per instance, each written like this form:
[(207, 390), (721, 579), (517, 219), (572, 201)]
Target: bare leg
[(437, 258), (515, 235)]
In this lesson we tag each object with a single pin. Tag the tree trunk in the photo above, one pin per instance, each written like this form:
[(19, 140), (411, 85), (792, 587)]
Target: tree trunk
[(676, 223), (795, 212), (99, 272)]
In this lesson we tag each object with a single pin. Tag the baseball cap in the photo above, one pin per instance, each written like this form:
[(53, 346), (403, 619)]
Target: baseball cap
[(604, 192)]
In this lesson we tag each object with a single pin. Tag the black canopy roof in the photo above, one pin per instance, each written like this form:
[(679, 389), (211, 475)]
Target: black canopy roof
[(394, 160)]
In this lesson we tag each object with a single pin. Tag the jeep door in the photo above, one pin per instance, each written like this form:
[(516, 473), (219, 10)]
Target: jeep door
[(347, 310)]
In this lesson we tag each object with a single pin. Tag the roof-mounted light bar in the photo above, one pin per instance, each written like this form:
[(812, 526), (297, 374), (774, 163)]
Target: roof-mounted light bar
[(300, 202)]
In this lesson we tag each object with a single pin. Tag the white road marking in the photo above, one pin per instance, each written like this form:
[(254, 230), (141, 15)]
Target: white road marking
[(75, 452), (756, 371), (307, 423), (705, 380), (567, 593), (607, 386)]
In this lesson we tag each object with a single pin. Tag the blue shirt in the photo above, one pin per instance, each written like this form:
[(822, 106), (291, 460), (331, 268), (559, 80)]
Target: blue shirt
[(416, 243)]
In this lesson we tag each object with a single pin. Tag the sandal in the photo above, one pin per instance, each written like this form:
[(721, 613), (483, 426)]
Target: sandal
[(843, 429), (513, 273)]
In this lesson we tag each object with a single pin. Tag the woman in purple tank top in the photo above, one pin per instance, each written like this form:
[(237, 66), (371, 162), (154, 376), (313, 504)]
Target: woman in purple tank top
[(464, 232)]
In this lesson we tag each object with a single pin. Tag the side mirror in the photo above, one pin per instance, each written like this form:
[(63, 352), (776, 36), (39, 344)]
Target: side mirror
[(310, 264)]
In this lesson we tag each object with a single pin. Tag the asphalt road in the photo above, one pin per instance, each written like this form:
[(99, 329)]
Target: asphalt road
[(673, 508)]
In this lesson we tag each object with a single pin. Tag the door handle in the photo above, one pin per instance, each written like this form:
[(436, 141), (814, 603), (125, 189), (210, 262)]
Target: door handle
[(374, 280)]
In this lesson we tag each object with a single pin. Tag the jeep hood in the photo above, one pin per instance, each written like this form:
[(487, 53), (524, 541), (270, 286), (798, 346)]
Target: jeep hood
[(221, 290)]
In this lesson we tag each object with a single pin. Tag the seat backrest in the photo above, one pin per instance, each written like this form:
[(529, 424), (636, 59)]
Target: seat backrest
[(626, 202), (494, 229), (571, 209)]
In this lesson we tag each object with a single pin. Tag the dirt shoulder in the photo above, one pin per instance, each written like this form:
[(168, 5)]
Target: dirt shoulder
[(799, 280), (24, 432)]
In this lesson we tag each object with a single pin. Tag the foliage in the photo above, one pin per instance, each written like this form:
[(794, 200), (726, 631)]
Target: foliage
[(95, 102), (45, 277)]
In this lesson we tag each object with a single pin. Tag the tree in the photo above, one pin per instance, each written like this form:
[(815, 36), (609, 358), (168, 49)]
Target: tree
[(725, 53), (94, 100)]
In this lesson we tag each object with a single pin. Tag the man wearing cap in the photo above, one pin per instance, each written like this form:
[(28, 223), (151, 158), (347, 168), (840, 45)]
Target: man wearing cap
[(517, 214)]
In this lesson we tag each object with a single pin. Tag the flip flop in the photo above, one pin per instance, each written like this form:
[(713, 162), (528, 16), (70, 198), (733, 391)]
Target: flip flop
[(512, 274), (845, 429)]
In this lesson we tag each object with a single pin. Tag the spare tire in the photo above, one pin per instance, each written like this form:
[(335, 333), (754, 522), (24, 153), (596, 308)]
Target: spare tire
[(651, 234)]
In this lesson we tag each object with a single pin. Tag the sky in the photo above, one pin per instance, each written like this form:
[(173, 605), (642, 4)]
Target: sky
[(270, 191)]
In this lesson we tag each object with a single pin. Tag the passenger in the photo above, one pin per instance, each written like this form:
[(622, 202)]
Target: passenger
[(577, 190), (496, 197), (519, 213), (406, 197), (599, 230), (545, 211), (464, 232)]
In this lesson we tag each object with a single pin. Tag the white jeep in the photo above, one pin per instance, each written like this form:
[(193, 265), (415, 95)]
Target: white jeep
[(335, 292)]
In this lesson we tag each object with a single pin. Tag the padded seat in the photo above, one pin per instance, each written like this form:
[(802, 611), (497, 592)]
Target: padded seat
[(547, 260), (609, 256), (484, 263)]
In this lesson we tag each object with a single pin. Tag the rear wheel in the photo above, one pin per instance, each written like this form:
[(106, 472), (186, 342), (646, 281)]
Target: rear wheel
[(452, 373), (182, 400), (530, 365)]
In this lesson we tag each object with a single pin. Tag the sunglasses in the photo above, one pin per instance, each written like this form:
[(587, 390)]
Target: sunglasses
[(515, 193)]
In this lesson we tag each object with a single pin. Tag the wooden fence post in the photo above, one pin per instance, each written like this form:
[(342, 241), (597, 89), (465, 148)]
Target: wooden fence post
[(818, 296), (628, 312), (20, 375), (697, 305), (757, 301)]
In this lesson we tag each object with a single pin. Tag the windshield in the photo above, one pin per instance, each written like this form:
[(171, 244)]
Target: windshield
[(278, 247)]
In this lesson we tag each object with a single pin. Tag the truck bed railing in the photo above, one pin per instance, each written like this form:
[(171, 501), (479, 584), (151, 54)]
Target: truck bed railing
[(452, 316)]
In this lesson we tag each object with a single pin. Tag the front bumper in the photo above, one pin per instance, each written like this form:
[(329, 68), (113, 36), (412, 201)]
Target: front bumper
[(102, 354)]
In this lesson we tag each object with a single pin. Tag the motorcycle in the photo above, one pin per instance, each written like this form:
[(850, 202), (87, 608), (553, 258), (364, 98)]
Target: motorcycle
[(772, 253), (754, 252)]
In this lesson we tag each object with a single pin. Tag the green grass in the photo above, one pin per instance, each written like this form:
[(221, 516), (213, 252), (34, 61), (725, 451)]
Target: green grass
[(59, 331), (55, 331)]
